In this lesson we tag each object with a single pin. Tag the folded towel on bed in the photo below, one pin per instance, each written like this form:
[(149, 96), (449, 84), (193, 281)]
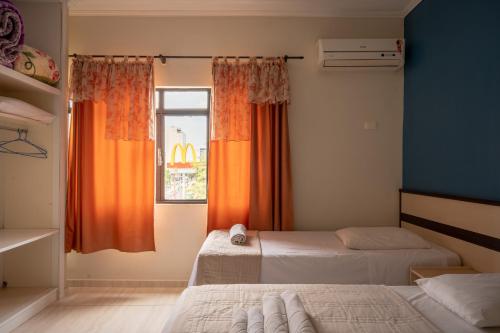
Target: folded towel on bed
[(239, 321), (255, 320), (11, 33), (298, 320), (38, 65), (238, 234), (273, 308)]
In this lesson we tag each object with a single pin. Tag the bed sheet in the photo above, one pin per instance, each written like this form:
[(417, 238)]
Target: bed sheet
[(321, 257)]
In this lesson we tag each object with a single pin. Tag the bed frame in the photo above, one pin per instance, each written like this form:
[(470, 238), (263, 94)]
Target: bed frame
[(470, 227)]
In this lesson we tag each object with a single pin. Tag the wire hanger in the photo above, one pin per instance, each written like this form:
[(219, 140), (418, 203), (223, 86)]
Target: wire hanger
[(22, 136)]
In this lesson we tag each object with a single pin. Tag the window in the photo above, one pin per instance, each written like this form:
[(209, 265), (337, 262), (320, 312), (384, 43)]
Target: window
[(182, 144)]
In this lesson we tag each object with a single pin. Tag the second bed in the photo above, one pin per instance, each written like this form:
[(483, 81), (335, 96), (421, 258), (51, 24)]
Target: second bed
[(310, 257)]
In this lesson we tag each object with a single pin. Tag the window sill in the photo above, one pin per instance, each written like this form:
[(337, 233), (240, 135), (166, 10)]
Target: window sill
[(181, 202)]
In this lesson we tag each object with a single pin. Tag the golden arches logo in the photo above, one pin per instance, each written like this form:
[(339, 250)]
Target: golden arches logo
[(184, 152)]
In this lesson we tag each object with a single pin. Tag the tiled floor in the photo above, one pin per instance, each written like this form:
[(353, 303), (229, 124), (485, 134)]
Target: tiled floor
[(106, 310)]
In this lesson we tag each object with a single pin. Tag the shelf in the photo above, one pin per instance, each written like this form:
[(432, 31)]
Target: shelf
[(19, 304), (10, 80), (20, 110), (12, 238)]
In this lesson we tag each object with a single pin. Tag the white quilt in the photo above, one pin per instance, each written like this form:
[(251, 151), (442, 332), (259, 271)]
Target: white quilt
[(290, 257), (220, 262), (320, 257), (332, 308)]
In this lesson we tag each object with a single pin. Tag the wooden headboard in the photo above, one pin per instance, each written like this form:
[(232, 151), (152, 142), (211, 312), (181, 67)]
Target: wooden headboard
[(470, 227)]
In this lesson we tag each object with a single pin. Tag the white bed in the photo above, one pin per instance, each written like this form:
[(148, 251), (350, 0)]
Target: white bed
[(332, 308), (311, 257)]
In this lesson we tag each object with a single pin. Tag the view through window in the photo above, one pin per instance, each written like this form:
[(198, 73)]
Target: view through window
[(182, 144)]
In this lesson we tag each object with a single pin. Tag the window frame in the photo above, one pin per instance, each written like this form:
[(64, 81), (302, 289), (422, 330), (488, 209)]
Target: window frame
[(161, 113)]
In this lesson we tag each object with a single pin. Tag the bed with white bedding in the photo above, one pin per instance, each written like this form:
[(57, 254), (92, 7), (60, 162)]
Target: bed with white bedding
[(307, 257), (331, 308)]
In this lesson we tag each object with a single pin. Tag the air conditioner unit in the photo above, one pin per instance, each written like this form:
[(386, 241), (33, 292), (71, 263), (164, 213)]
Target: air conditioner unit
[(361, 53)]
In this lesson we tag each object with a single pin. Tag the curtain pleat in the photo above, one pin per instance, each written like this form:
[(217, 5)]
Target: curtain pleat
[(271, 202), (228, 184), (110, 197)]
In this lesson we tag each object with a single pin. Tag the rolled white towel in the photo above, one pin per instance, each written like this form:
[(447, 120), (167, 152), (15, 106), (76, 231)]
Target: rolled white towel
[(239, 322), (298, 320), (275, 320), (238, 234), (255, 320)]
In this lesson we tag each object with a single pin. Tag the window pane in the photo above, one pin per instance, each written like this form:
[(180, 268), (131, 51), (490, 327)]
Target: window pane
[(185, 99), (185, 157), (157, 99)]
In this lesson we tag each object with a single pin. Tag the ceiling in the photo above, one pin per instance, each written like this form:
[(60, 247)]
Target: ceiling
[(295, 8)]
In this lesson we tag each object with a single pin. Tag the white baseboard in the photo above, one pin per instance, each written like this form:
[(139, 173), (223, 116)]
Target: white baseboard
[(126, 283)]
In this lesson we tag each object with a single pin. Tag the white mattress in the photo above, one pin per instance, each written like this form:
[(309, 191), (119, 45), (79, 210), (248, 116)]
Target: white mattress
[(437, 314), (321, 257)]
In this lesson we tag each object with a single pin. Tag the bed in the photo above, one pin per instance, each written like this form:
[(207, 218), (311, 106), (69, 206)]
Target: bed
[(307, 257), (331, 308)]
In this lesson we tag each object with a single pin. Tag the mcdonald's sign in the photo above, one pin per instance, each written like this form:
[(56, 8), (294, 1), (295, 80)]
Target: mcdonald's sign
[(183, 163)]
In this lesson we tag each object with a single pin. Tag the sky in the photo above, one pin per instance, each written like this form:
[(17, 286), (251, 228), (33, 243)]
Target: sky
[(195, 127)]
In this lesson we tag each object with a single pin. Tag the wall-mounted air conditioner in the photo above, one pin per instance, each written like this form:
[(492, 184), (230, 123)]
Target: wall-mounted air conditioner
[(361, 53)]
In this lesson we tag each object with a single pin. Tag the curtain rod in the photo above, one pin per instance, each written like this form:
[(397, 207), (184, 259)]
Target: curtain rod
[(163, 58)]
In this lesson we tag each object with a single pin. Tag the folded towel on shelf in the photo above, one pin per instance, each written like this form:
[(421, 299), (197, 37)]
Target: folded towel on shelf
[(298, 320), (38, 65), (11, 33), (273, 308), (238, 234), (255, 320), (239, 321)]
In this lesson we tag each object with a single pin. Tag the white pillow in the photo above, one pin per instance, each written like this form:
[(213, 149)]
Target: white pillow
[(473, 297), (381, 238)]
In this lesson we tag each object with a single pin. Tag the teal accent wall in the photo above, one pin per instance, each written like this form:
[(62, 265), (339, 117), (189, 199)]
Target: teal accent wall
[(451, 140)]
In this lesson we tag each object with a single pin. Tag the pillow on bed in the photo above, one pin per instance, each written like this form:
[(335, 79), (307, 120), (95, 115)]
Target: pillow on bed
[(381, 238), (473, 297)]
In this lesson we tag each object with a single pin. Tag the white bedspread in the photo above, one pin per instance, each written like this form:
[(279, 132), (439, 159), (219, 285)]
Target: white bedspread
[(321, 257), (332, 308), (220, 262), (272, 257)]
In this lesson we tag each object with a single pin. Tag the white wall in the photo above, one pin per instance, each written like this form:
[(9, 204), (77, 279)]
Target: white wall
[(342, 174)]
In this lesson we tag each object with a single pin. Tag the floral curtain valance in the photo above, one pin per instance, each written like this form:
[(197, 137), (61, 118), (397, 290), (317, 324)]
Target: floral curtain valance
[(237, 85), (127, 89)]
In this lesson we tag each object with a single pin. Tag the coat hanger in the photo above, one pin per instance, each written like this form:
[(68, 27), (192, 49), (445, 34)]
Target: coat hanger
[(22, 136)]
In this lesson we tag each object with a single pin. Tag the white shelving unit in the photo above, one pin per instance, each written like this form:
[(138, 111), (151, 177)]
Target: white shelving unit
[(11, 80), (32, 191), (12, 238), (19, 304)]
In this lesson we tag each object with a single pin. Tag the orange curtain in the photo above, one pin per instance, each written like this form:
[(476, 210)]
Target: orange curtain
[(271, 202), (249, 158), (110, 196), (127, 88), (228, 184)]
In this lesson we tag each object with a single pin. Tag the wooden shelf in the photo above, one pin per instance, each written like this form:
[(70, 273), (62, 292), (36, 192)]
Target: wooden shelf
[(10, 80), (12, 238), (19, 304)]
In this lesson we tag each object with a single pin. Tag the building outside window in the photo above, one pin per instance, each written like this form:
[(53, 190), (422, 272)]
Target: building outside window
[(182, 144)]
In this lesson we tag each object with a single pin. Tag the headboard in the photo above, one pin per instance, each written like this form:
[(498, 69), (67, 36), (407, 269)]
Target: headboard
[(470, 227)]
